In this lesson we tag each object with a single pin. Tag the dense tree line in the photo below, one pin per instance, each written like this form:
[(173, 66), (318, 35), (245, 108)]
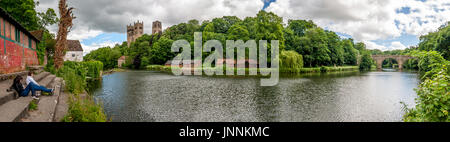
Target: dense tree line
[(314, 45)]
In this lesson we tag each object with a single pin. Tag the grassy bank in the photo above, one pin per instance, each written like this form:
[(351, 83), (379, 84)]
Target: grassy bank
[(76, 75), (84, 109)]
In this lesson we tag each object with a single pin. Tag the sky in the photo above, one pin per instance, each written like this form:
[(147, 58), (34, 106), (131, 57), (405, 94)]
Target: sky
[(380, 24)]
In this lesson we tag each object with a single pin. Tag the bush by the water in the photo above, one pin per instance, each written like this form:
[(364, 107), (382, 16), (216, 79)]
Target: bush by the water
[(290, 61), (84, 110), (433, 100), (75, 74), (427, 61)]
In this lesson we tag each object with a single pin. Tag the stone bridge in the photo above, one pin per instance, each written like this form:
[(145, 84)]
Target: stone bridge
[(399, 58)]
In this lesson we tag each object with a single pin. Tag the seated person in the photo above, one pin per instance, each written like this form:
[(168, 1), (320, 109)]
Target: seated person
[(32, 86)]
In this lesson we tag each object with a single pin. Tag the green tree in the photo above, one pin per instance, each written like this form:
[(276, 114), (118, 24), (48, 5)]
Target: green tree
[(238, 32), (108, 56), (437, 41), (336, 50), (366, 61), (428, 61), (299, 27), (290, 61), (160, 52), (351, 54), (23, 11), (47, 18), (318, 41)]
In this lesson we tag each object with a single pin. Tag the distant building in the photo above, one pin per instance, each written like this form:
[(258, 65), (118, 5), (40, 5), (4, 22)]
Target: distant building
[(157, 27), (134, 32), (17, 45), (121, 61), (74, 51)]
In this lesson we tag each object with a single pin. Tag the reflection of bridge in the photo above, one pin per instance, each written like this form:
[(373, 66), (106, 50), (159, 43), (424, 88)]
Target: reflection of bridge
[(399, 58)]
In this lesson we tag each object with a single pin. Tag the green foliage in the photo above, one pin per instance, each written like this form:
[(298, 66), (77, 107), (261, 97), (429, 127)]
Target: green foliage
[(428, 61), (160, 52), (23, 11), (299, 27), (33, 105), (433, 102), (75, 74), (47, 18), (238, 32), (84, 110), (366, 61), (159, 68), (75, 83), (324, 69), (350, 53), (290, 61), (94, 68), (437, 41), (316, 46), (108, 56)]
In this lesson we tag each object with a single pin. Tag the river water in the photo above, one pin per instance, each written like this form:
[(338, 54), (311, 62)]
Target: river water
[(147, 96)]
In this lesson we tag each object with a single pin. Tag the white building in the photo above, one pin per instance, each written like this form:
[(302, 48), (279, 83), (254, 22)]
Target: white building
[(74, 51)]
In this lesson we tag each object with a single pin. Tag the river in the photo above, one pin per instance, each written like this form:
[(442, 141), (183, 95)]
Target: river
[(148, 96)]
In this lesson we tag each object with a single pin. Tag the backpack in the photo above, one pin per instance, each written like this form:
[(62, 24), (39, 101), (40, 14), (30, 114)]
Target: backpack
[(17, 85)]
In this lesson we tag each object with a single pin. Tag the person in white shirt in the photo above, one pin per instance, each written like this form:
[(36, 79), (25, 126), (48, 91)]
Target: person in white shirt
[(35, 86)]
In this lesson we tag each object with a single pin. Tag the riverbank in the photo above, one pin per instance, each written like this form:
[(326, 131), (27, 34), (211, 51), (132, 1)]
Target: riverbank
[(111, 71), (301, 70)]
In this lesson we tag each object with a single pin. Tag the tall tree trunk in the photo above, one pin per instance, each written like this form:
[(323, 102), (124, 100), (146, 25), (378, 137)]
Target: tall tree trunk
[(65, 25)]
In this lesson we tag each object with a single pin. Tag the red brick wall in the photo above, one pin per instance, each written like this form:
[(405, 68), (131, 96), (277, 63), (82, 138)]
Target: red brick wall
[(14, 57)]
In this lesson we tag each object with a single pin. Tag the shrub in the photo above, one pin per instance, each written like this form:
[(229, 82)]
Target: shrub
[(428, 60), (33, 105), (84, 110), (75, 83), (433, 100), (291, 61), (75, 74), (94, 68), (323, 69), (366, 62)]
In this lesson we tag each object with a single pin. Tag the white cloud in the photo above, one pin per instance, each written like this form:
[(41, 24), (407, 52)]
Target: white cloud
[(367, 20), (112, 16), (94, 46), (394, 46)]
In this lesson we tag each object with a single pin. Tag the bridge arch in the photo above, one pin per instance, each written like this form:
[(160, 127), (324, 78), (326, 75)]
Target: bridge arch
[(401, 59)]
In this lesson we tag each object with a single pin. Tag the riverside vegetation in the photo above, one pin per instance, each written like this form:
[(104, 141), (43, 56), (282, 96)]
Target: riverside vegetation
[(304, 47), (76, 75), (302, 44)]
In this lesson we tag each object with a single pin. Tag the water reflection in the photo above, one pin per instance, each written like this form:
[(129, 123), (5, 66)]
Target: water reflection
[(154, 96)]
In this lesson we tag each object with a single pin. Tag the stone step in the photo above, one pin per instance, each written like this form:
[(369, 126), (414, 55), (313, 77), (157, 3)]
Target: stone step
[(47, 105), (62, 107), (9, 96), (15, 110)]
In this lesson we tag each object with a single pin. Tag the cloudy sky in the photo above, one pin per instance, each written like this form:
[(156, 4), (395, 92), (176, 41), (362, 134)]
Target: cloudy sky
[(381, 24)]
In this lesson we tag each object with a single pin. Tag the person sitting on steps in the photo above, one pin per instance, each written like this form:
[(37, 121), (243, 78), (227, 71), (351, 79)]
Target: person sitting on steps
[(32, 86)]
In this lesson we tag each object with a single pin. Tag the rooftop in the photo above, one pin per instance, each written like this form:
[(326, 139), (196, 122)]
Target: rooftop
[(74, 45)]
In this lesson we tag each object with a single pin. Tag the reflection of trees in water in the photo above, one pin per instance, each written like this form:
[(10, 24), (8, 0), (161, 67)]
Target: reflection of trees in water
[(92, 85), (267, 103)]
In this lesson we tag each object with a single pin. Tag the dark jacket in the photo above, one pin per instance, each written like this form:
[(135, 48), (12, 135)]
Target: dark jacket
[(17, 85)]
